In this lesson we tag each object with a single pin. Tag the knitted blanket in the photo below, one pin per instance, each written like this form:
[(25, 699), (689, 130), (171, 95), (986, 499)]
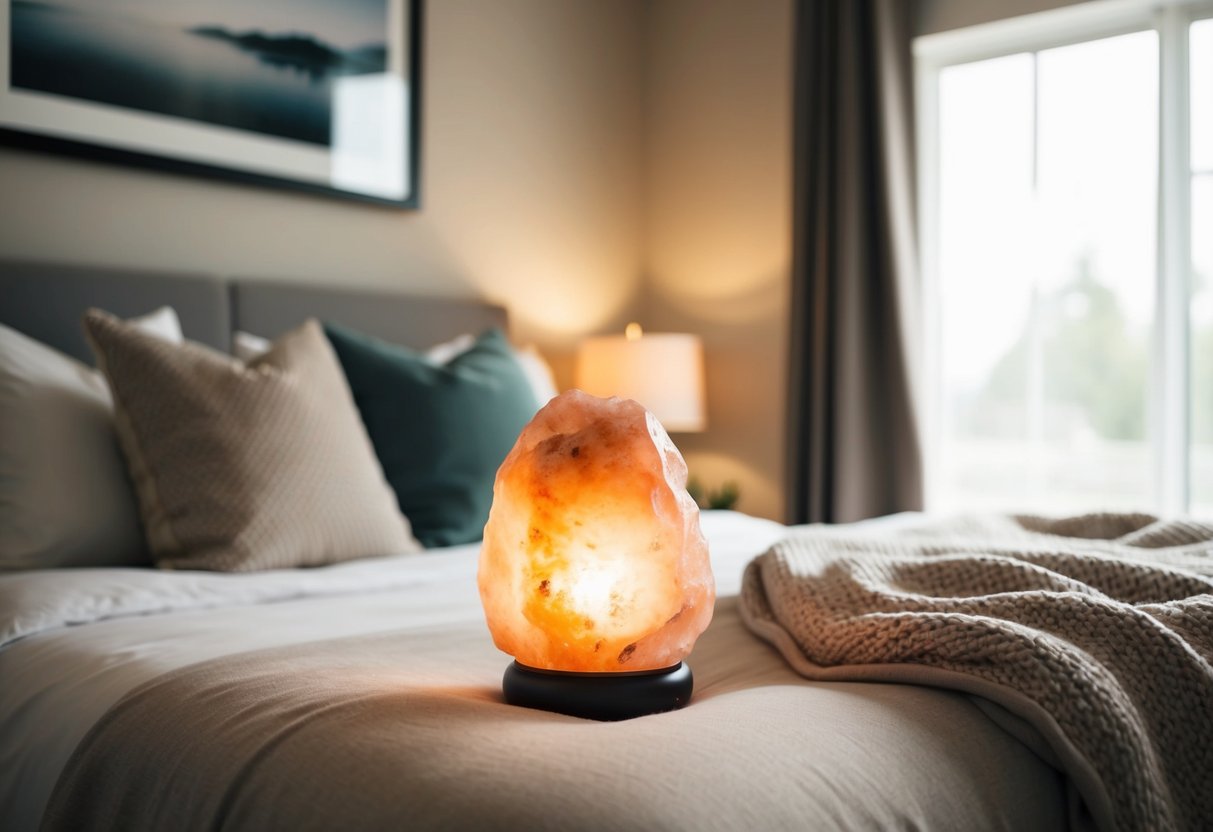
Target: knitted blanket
[(1096, 630)]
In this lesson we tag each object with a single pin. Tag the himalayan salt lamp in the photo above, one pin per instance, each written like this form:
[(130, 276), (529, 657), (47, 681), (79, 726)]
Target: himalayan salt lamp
[(594, 574)]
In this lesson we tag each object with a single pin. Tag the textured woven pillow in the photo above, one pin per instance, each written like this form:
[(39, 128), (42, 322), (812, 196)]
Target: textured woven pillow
[(440, 431), (242, 467)]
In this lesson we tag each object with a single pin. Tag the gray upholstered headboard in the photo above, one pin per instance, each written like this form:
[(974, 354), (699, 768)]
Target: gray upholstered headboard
[(46, 301), (268, 309)]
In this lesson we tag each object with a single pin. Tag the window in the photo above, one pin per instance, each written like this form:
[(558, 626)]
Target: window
[(1068, 261)]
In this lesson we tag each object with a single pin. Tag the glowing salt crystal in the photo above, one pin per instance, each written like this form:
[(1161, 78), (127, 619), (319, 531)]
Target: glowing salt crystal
[(593, 559)]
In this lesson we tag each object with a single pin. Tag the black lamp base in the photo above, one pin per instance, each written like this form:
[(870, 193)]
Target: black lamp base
[(602, 696)]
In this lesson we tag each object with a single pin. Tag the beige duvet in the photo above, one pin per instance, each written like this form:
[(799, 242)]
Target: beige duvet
[(367, 695), (408, 730)]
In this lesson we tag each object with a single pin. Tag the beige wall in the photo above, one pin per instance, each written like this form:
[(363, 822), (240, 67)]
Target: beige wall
[(717, 238), (584, 163), (531, 188)]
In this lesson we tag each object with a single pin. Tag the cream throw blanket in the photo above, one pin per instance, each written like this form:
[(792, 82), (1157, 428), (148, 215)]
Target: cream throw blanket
[(1097, 630)]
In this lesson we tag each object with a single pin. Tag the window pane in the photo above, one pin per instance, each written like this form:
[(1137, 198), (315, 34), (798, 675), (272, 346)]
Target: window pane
[(985, 191), (1201, 363), (1202, 346), (1047, 275), (1201, 62)]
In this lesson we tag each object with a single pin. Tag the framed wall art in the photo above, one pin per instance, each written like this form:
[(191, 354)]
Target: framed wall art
[(320, 95)]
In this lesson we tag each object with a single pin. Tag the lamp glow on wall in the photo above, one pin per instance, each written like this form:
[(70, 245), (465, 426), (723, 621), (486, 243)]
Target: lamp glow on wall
[(594, 573), (663, 371)]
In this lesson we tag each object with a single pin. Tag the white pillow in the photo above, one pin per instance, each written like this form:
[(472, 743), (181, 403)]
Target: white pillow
[(162, 322), (65, 499), (448, 351), (538, 372), (249, 347)]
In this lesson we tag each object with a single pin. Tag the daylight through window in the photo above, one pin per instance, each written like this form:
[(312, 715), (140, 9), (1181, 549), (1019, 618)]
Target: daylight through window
[(1047, 184)]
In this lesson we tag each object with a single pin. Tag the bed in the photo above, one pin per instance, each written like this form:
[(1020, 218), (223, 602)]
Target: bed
[(367, 694)]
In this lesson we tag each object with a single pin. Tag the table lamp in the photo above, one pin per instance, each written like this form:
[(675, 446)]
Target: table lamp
[(663, 371), (594, 574)]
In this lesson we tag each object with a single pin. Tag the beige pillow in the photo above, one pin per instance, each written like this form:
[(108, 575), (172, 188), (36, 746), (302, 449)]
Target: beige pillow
[(242, 467)]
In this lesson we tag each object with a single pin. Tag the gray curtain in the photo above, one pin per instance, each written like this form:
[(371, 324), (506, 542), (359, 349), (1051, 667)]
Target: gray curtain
[(853, 419)]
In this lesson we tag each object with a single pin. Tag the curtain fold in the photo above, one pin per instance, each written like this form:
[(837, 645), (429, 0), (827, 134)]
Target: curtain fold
[(854, 441)]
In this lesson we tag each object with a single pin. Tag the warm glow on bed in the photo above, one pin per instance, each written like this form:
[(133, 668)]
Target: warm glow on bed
[(593, 560)]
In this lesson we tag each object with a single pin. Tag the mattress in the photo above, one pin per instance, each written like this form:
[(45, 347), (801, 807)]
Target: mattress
[(758, 745)]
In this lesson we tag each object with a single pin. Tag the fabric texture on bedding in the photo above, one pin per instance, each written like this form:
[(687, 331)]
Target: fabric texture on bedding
[(65, 498), (244, 467), (441, 432), (770, 750), (408, 730), (1098, 630)]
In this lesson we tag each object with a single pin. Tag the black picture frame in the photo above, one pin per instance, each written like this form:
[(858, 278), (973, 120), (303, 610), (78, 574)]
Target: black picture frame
[(56, 139)]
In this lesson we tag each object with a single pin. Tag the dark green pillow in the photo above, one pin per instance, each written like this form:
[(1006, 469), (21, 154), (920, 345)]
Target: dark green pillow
[(440, 432)]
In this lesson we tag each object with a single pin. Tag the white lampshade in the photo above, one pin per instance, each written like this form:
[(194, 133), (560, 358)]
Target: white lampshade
[(663, 371)]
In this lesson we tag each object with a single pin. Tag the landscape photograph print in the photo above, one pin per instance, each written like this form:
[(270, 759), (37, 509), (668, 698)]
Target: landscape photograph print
[(266, 66), (322, 96)]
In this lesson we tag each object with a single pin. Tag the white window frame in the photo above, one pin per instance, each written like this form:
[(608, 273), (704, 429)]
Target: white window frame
[(1168, 414)]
